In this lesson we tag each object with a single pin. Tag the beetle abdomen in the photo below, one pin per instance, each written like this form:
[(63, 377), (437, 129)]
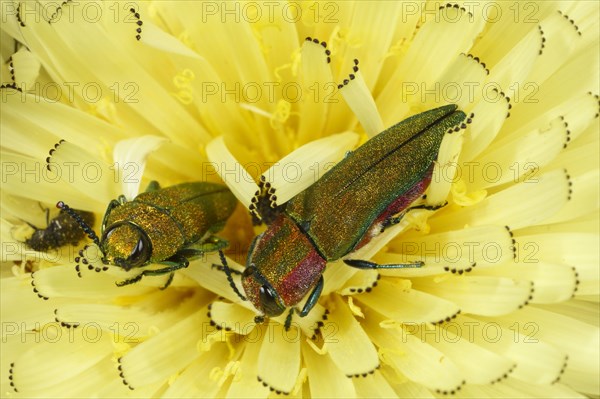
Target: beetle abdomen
[(396, 207)]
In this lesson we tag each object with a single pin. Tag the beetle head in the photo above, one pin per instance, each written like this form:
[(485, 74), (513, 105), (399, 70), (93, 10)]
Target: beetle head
[(261, 293), (126, 245)]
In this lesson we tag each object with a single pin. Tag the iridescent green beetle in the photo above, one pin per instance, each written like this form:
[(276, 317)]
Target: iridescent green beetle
[(368, 191), (167, 226)]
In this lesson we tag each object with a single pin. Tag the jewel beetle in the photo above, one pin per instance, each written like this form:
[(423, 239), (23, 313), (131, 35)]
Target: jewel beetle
[(368, 191), (168, 226), (59, 231)]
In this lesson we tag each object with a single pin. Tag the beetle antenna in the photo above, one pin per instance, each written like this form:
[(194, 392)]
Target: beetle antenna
[(227, 271), (86, 227)]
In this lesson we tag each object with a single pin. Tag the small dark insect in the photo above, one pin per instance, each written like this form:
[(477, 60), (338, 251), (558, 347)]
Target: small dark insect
[(60, 231)]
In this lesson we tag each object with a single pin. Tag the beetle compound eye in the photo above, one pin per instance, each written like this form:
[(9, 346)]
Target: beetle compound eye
[(270, 301), (126, 245), (140, 254)]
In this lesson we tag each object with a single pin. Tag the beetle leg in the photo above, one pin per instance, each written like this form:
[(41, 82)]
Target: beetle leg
[(169, 281), (312, 298), (130, 280), (176, 262), (32, 226), (310, 303), (428, 207), (152, 186), (397, 218), (47, 210), (288, 320), (363, 264), (227, 271)]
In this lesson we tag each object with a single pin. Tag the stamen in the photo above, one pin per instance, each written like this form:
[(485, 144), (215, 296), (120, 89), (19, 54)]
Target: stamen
[(359, 99)]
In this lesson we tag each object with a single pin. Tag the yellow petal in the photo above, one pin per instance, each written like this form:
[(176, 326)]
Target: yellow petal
[(447, 32), (521, 205), (26, 68), (574, 250), (584, 197), (283, 348), (245, 383), (456, 251), (514, 160), (171, 351), (363, 281), (307, 164), (445, 171), (231, 317), (488, 296), (374, 385), (199, 378), (317, 88), (63, 355), (489, 368), (22, 310), (214, 280), (240, 183), (349, 347), (416, 360), (93, 177), (417, 306), (130, 160), (536, 361), (62, 281), (551, 283), (488, 118), (359, 99), (576, 338), (325, 379)]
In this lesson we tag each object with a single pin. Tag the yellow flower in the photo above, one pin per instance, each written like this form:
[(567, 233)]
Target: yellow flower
[(506, 304)]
